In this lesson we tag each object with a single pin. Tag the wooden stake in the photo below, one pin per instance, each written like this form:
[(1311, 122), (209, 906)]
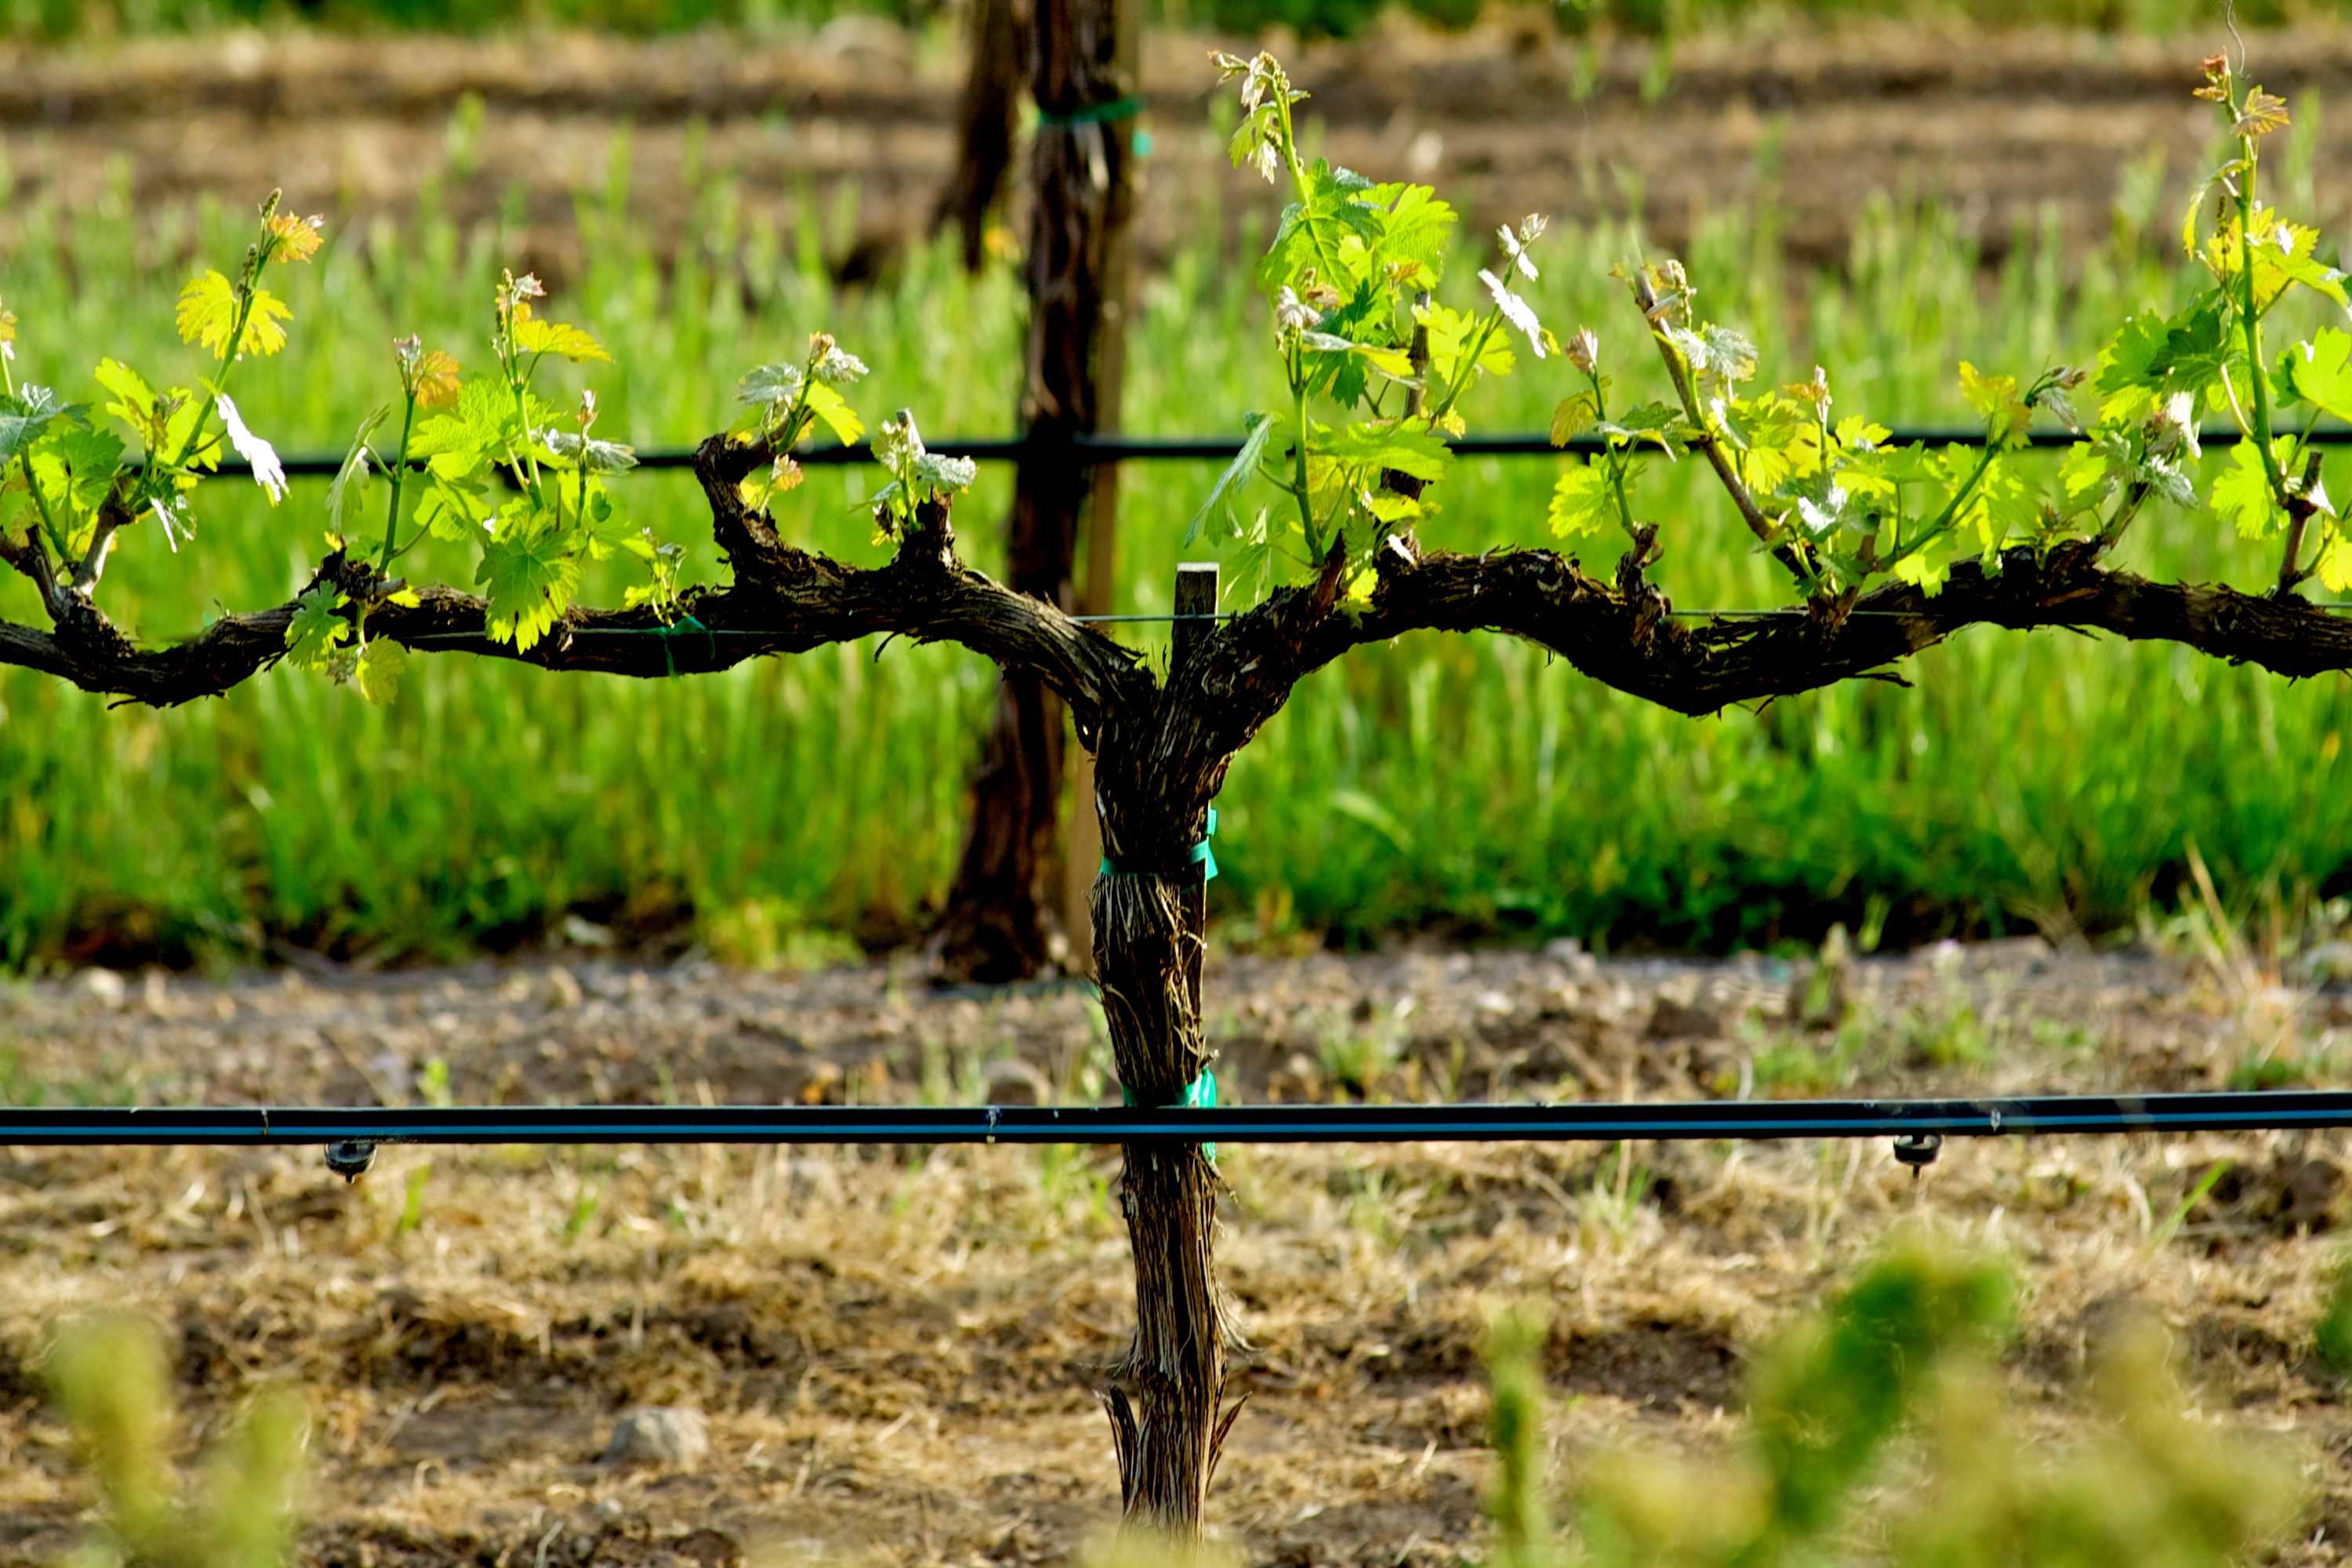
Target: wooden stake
[(1196, 595)]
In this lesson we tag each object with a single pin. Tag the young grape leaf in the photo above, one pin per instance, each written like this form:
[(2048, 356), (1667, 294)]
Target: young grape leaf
[(1394, 363), (2320, 374), (135, 401), (2335, 564), (1778, 440), (70, 527), (379, 668), (298, 237), (1389, 446), (606, 525), (1343, 340), (1254, 563), (1574, 417), (1518, 311), (315, 632), (532, 335), (175, 517), (1261, 428), (1856, 434), (1342, 372), (1255, 139), (2301, 264), (1417, 229), (833, 409), (26, 416), (2242, 495), (2285, 254), (760, 485), (267, 471), (1452, 336), (529, 573), (2152, 356), (770, 385), (1661, 424), (2006, 506), (1314, 230), (208, 311), (1730, 355), (437, 380), (351, 478), (2264, 112), (1582, 502), (462, 441), (575, 450), (1995, 397), (1835, 509), (207, 314), (2088, 476), (451, 508), (1924, 572), (91, 459)]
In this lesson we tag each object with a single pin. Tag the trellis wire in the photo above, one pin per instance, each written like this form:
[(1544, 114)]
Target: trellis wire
[(1092, 449)]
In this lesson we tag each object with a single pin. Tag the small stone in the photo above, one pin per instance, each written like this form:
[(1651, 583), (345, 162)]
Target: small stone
[(1570, 954), (578, 933), (816, 1082), (672, 1435), (102, 987), (1674, 1020), (1299, 1079), (2329, 964), (562, 991), (1015, 1083)]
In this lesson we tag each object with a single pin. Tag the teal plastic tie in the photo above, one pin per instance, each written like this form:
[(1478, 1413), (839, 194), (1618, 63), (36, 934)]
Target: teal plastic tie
[(681, 627), (1095, 114), (1200, 1094), (1202, 855)]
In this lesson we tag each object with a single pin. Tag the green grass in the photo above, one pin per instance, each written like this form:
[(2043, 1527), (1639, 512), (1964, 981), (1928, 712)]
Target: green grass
[(1467, 781)]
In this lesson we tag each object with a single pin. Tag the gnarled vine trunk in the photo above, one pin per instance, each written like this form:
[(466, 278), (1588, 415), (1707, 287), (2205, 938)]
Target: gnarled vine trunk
[(1167, 1394)]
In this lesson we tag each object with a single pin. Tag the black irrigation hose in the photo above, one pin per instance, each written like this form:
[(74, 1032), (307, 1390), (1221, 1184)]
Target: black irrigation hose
[(1147, 449), (1578, 1121)]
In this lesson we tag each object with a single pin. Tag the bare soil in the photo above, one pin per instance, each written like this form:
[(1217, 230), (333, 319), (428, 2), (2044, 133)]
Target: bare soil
[(854, 126), (895, 1350)]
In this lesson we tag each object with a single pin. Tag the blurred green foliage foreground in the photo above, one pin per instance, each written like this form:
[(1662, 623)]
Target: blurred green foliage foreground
[(1469, 783), (1877, 1431)]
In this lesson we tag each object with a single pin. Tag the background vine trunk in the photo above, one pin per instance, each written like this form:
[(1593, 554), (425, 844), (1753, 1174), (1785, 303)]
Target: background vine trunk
[(1082, 65), (987, 116)]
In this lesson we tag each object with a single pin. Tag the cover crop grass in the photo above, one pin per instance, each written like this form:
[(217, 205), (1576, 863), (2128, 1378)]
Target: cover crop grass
[(1472, 779)]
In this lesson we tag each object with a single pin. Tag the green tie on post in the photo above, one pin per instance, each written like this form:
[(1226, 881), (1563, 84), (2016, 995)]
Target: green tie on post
[(1200, 1094)]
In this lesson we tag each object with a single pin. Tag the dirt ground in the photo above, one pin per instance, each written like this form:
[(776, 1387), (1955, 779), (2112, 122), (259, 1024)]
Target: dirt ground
[(895, 1351), (855, 125)]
